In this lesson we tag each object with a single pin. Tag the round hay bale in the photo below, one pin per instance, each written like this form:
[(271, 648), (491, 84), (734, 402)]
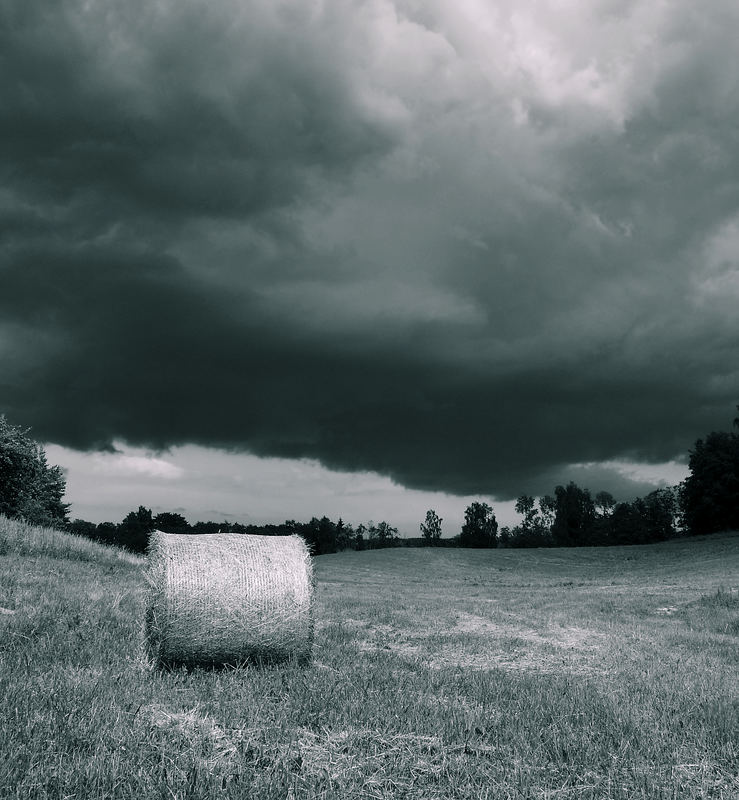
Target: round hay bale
[(228, 598)]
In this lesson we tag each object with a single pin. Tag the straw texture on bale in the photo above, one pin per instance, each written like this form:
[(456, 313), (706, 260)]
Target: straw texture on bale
[(228, 598)]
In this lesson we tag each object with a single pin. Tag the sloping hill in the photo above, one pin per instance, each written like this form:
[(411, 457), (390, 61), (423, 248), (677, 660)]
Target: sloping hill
[(20, 539)]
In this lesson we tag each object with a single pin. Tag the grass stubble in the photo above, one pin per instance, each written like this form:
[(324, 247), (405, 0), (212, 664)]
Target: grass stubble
[(590, 673)]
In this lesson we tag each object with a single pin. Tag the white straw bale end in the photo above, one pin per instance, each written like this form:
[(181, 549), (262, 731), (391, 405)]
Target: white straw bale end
[(228, 599)]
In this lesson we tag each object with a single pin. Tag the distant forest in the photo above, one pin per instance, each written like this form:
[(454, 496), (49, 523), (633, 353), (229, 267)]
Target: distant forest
[(707, 501), (569, 518)]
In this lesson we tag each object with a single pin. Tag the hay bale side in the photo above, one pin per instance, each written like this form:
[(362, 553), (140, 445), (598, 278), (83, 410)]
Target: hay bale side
[(228, 598)]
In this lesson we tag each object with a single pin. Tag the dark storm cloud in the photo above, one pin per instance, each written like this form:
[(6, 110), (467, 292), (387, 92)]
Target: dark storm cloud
[(139, 113), (465, 248)]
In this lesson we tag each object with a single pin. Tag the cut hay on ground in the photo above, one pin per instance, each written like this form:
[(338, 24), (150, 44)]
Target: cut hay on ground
[(228, 599)]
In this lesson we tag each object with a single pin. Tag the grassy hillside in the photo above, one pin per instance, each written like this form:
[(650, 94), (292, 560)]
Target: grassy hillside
[(589, 673)]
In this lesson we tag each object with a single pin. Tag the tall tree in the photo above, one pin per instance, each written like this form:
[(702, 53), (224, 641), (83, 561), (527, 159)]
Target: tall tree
[(431, 527), (709, 496), (386, 534), (359, 540), (534, 530), (344, 535), (574, 515), (480, 527)]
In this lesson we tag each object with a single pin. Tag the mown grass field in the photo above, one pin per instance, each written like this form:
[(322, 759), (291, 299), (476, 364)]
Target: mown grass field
[(589, 673)]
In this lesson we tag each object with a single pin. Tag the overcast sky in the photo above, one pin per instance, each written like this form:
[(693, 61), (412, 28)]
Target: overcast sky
[(281, 259)]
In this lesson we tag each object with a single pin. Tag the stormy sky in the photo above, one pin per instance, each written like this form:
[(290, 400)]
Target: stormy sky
[(403, 250)]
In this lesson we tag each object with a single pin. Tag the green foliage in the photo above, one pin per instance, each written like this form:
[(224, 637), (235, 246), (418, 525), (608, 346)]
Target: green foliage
[(170, 522), (480, 527), (320, 534), (30, 488), (209, 527), (659, 510), (359, 541), (709, 496), (385, 534), (374, 536), (547, 509), (534, 530), (626, 524), (605, 503), (106, 532), (526, 506), (81, 527), (344, 535), (431, 527), (133, 532), (574, 515)]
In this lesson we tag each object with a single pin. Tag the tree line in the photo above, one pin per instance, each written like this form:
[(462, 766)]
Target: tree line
[(571, 517), (707, 501), (322, 535)]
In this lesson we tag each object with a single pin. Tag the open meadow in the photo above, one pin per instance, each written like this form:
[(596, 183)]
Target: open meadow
[(438, 673)]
